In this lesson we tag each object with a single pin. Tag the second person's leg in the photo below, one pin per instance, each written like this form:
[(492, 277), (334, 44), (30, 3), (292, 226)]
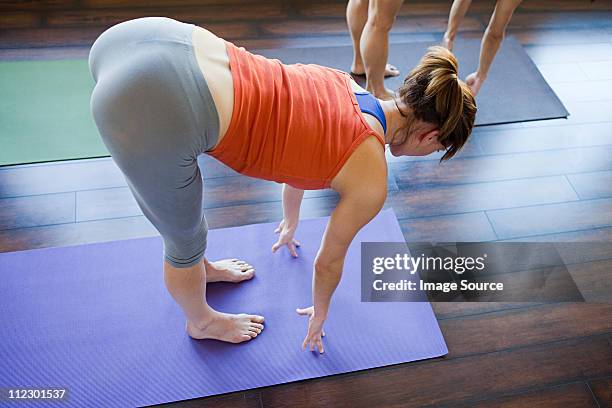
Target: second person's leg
[(491, 41), (455, 17), (374, 44)]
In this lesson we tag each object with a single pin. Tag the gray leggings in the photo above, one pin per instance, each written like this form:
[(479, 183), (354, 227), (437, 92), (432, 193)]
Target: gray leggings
[(155, 114)]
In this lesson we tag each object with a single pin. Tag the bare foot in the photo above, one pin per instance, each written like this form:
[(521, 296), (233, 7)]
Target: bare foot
[(390, 70), (384, 94), (232, 328), (474, 81), (228, 270)]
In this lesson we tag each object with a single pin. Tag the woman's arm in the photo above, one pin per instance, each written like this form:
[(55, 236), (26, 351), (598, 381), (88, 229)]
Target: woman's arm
[(292, 199), (354, 210)]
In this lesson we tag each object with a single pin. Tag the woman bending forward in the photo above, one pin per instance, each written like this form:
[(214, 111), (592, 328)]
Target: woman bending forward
[(167, 91)]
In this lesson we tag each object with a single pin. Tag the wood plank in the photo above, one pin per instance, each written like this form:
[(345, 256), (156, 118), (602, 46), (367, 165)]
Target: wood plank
[(592, 185), (137, 227), (575, 395), (201, 15), (304, 41), (36, 4), (560, 36), (465, 227), (81, 36), (414, 200), (516, 328), (245, 214), (75, 233), (59, 177), (567, 5), (597, 234), (23, 212), (413, 8), (462, 379), (107, 203), (33, 54), (597, 70), (551, 218), (562, 72), (570, 52), (48, 37), (249, 399), (533, 139), (451, 310), (218, 192), (594, 280), (504, 167), (602, 389), (580, 112), (562, 19), (86, 174), (338, 26), (162, 3), (585, 91), (19, 19)]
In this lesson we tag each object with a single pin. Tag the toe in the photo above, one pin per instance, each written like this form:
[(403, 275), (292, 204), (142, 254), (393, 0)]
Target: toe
[(257, 325), (256, 319)]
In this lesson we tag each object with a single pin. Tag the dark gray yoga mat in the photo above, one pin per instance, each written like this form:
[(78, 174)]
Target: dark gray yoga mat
[(515, 91)]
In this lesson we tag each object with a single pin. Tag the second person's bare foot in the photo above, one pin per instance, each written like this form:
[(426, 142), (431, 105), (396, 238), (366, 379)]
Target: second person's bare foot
[(228, 270), (384, 94), (390, 70)]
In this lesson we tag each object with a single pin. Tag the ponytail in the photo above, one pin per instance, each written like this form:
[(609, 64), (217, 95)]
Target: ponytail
[(436, 95)]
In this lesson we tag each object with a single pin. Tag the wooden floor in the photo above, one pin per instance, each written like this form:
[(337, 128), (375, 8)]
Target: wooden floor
[(538, 181)]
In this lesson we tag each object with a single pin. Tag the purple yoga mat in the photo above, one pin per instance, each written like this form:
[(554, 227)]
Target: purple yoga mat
[(97, 320)]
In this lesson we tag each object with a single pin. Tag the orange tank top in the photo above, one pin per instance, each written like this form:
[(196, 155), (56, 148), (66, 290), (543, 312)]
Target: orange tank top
[(296, 124)]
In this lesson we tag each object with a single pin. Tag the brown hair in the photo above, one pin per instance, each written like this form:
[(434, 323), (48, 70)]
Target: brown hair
[(436, 95)]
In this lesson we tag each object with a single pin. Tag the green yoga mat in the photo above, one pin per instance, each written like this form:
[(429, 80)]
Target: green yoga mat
[(44, 112)]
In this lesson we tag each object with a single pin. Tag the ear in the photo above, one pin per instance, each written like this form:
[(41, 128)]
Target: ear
[(431, 135)]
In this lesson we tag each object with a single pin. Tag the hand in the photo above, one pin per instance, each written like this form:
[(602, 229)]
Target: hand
[(315, 330), (474, 81), (286, 238)]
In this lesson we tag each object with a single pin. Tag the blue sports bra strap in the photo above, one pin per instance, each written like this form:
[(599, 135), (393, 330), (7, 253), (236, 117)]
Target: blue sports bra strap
[(369, 104)]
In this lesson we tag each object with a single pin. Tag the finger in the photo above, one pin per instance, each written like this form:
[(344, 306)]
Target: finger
[(277, 230), (297, 243), (322, 333), (312, 345), (305, 343), (305, 310), (275, 247), (320, 346), (292, 250)]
